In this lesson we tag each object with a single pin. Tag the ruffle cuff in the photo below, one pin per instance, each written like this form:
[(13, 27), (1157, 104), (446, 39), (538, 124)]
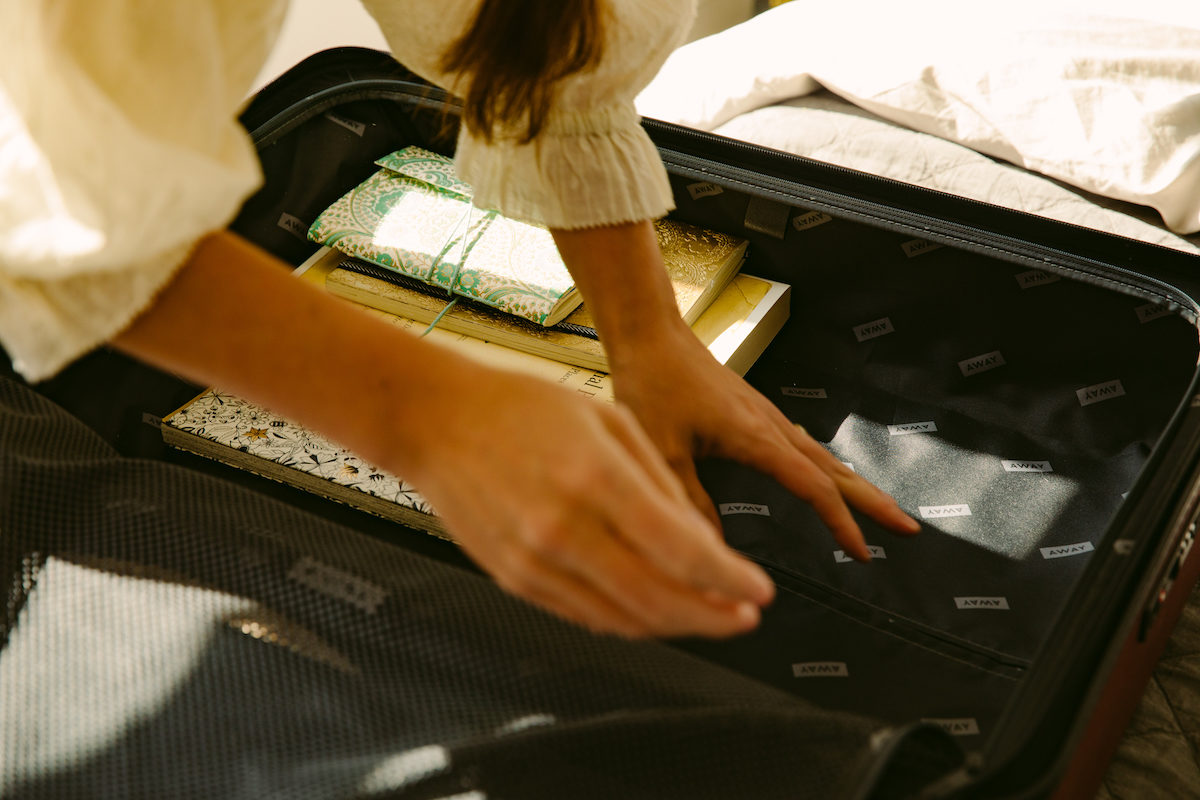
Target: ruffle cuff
[(583, 170), (45, 325)]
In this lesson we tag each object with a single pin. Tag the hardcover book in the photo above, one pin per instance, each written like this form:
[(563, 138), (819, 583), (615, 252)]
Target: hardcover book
[(413, 220), (743, 316), (415, 217)]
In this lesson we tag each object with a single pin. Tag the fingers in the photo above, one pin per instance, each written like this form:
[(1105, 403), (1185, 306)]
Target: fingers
[(621, 423), (811, 472), (859, 492), (680, 464), (687, 547), (807, 481), (685, 468), (602, 583), (571, 599), (581, 569)]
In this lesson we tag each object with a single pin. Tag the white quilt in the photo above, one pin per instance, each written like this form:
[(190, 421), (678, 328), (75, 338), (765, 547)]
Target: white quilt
[(1101, 95)]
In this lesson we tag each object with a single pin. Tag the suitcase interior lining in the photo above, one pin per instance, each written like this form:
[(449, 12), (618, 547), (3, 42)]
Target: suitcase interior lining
[(1008, 409), (1047, 395)]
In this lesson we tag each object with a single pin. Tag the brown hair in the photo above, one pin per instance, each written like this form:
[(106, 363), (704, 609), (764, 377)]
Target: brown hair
[(514, 54)]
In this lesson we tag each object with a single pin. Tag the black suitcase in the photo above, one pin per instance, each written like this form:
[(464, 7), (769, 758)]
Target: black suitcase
[(1025, 387)]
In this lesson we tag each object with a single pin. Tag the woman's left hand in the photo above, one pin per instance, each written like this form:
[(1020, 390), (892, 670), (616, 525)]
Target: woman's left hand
[(692, 406)]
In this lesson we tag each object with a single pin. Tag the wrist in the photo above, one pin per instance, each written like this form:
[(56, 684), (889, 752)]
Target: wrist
[(648, 341), (620, 271)]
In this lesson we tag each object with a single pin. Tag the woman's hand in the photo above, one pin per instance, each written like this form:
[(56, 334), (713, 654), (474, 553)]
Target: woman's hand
[(692, 406), (567, 503), (689, 404)]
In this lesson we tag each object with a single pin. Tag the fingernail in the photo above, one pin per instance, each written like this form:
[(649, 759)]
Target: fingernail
[(747, 615), (764, 587), (911, 524)]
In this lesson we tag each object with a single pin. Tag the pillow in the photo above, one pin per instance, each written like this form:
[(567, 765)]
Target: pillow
[(1101, 95)]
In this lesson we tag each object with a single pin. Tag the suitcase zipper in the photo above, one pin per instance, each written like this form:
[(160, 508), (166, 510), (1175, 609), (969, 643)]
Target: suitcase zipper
[(889, 622), (893, 217), (888, 215), (266, 133)]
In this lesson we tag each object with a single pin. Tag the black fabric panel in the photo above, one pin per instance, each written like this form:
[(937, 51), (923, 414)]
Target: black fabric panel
[(1010, 410), (319, 161)]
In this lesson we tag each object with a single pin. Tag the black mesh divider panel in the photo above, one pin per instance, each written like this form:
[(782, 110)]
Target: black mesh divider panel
[(168, 634)]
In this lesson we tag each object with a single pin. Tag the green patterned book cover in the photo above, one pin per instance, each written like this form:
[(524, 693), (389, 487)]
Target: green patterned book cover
[(415, 216)]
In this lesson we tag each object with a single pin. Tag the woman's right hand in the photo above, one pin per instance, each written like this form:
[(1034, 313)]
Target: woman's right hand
[(567, 504), (562, 499)]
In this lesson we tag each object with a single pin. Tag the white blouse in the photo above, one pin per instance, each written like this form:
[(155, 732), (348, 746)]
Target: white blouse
[(120, 149)]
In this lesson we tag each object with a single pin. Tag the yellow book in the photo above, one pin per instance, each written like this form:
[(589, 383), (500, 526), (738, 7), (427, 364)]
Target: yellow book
[(702, 265)]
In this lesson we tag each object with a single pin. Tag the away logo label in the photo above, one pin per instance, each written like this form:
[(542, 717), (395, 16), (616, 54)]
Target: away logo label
[(965, 726), (912, 427), (821, 669), (981, 363), (873, 329), (875, 550), (727, 509), (1026, 466), (938, 512), (1100, 392), (991, 603), (1066, 550), (807, 394)]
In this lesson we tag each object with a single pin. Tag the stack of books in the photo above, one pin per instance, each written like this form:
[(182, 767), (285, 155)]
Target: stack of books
[(505, 316)]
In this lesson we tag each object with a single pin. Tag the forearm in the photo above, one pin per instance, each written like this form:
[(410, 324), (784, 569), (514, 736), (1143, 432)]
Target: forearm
[(598, 532), (235, 318), (619, 269)]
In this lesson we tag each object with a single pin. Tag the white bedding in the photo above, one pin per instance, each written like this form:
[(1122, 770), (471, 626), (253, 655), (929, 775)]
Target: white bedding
[(827, 128), (1106, 100)]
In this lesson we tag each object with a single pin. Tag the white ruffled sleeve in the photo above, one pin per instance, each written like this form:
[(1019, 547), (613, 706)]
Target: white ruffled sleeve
[(119, 150), (592, 163), (585, 169)]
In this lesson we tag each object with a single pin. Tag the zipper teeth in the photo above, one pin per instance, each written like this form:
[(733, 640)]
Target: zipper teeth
[(309, 106), (897, 622)]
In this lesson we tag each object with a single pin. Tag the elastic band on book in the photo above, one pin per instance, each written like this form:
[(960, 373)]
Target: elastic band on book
[(441, 314), (453, 283)]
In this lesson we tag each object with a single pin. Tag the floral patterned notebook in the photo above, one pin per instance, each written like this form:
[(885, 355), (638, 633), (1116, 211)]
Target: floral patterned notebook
[(226, 428), (415, 216)]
